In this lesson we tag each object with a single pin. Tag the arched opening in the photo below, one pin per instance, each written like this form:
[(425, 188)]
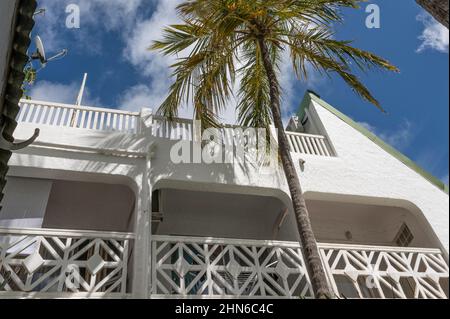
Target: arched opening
[(200, 213), (347, 220), (71, 205)]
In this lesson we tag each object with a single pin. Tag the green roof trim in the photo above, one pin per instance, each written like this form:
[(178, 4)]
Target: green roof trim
[(311, 96)]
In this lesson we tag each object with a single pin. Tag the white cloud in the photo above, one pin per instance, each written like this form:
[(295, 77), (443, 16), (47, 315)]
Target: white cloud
[(435, 36), (150, 64), (54, 92), (139, 96), (95, 16), (60, 93), (399, 138)]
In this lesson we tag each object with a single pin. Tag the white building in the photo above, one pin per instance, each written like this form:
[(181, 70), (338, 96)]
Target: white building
[(97, 208)]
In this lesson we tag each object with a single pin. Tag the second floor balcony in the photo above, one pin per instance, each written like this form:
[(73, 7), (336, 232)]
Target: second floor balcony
[(56, 115)]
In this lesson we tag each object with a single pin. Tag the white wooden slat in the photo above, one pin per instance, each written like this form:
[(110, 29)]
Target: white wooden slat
[(108, 122), (50, 114), (95, 125), (44, 115), (77, 118), (23, 111), (300, 145), (83, 119), (316, 146), (70, 117), (120, 127), (102, 121), (36, 114), (321, 147), (114, 122), (89, 120), (325, 147), (127, 123), (30, 113), (305, 144), (63, 118), (56, 118), (291, 144)]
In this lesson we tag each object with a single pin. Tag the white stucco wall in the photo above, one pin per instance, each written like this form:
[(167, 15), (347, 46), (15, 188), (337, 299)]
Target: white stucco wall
[(361, 173), (364, 172)]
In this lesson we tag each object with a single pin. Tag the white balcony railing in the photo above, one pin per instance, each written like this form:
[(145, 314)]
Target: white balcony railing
[(83, 264), (63, 115), (47, 263), (309, 144), (100, 119), (199, 267), (386, 272)]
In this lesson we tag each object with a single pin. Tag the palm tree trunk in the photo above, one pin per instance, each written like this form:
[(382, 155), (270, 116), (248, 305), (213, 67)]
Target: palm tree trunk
[(309, 244), (437, 8)]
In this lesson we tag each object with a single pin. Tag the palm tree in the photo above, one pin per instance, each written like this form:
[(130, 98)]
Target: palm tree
[(223, 39), (437, 8)]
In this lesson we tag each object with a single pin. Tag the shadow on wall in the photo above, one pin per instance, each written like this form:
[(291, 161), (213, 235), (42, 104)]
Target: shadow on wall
[(369, 221)]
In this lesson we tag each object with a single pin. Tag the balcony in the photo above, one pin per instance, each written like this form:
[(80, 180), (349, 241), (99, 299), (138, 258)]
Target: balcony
[(78, 264), (45, 114), (64, 264), (184, 267)]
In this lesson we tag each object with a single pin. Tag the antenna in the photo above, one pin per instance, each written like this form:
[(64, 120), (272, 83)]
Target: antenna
[(81, 93), (40, 53), (39, 11)]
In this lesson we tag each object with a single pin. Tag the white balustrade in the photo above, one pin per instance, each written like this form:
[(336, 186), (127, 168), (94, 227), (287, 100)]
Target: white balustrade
[(63, 115), (45, 262), (309, 144), (209, 267), (101, 119), (87, 264), (385, 272), (200, 267)]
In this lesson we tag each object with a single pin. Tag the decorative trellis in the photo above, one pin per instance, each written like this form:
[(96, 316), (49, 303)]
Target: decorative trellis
[(60, 262), (190, 267), (385, 272)]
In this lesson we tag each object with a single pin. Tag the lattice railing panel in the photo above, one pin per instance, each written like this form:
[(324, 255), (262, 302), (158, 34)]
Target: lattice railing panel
[(228, 268), (48, 261), (385, 272)]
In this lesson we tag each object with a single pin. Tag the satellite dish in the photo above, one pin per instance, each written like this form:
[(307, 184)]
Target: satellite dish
[(40, 53)]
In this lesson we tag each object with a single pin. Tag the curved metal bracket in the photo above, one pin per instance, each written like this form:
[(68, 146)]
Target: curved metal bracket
[(9, 146)]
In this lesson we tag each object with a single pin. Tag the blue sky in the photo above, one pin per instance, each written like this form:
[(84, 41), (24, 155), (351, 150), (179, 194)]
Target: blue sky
[(114, 34)]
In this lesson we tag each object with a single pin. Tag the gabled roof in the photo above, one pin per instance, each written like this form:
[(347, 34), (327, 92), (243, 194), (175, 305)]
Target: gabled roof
[(311, 96), (9, 103)]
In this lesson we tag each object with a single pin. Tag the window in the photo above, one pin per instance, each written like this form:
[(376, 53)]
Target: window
[(404, 237)]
